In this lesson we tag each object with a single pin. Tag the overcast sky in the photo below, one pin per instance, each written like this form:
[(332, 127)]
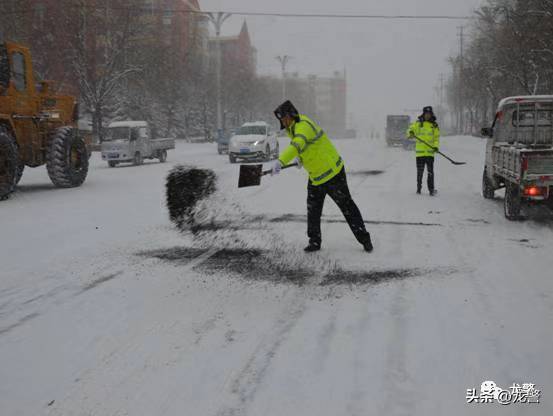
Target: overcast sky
[(391, 65)]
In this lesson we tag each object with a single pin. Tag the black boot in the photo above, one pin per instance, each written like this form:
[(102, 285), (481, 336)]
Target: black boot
[(368, 246), (312, 247)]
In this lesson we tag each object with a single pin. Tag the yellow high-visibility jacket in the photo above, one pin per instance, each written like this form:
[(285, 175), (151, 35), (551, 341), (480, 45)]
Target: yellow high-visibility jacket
[(427, 131), (310, 144)]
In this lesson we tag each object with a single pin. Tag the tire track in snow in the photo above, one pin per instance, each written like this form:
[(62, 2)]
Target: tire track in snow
[(39, 299), (169, 354), (357, 404), (483, 303), (79, 396), (397, 381), (244, 384)]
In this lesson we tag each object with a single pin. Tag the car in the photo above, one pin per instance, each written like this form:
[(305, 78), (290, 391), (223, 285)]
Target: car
[(254, 142), (223, 142)]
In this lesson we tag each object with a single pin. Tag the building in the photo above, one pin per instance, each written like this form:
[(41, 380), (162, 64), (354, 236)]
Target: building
[(330, 102), (237, 53), (176, 25), (322, 98), (52, 28), (238, 69)]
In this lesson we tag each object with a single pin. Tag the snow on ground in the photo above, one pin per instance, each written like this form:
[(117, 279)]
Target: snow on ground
[(105, 309)]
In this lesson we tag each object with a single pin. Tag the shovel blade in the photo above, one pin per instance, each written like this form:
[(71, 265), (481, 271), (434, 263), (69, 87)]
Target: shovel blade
[(250, 175)]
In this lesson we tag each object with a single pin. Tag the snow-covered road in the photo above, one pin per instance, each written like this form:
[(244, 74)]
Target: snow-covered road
[(105, 309)]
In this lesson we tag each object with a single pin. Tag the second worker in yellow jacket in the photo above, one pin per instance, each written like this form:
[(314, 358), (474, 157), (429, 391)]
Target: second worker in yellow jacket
[(426, 132)]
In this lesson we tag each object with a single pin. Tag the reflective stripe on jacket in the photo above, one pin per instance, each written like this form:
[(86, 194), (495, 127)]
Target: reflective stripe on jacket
[(310, 144), (427, 131)]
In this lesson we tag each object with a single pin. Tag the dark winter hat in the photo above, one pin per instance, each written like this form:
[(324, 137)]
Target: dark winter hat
[(286, 109), (428, 109)]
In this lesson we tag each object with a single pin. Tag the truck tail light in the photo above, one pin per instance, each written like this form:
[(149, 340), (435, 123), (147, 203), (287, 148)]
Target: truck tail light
[(535, 191)]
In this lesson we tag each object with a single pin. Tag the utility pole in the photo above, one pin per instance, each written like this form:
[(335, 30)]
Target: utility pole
[(461, 96), (217, 19), (442, 89), (283, 60)]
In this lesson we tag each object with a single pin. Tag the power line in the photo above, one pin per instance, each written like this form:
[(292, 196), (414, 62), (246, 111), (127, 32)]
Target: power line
[(268, 14)]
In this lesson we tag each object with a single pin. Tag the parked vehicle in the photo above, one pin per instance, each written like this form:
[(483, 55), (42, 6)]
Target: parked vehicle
[(253, 141), (37, 126), (396, 126), (519, 153), (223, 142), (133, 141)]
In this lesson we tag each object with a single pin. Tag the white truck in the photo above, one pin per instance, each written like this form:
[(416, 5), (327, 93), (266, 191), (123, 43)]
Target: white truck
[(132, 142), (519, 153)]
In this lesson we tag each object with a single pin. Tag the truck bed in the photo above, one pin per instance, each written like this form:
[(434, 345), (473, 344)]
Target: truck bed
[(162, 144), (524, 165)]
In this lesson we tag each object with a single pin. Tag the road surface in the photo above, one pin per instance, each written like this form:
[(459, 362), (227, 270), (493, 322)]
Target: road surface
[(106, 309)]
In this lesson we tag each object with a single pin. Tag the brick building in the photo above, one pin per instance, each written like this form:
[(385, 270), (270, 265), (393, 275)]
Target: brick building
[(50, 28)]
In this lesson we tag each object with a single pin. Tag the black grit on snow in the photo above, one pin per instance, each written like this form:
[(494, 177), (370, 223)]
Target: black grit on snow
[(370, 277), (332, 220), (365, 173), (100, 281), (258, 265), (185, 187), (251, 264)]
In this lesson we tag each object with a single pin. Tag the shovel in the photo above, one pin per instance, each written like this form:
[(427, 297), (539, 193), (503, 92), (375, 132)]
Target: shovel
[(250, 175), (448, 158)]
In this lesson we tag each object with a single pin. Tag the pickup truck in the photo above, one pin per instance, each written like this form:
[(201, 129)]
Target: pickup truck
[(519, 154), (133, 141)]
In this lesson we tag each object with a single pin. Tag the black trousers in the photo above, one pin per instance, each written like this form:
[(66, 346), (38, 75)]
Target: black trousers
[(427, 161), (337, 189)]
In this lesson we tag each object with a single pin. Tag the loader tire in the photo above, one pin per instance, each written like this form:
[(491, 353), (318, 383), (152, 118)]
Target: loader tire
[(488, 190), (513, 202), (9, 161), (20, 169), (66, 159)]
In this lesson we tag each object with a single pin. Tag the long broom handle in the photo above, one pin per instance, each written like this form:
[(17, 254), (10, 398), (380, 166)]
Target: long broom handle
[(437, 151)]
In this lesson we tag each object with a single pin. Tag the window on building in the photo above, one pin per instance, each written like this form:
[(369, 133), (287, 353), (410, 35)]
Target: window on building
[(168, 17), (40, 12), (18, 71)]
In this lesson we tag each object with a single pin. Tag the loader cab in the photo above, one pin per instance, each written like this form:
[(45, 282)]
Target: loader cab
[(4, 69), (16, 71)]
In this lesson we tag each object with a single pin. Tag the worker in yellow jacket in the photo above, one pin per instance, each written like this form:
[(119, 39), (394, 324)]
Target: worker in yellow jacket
[(425, 128), (318, 156)]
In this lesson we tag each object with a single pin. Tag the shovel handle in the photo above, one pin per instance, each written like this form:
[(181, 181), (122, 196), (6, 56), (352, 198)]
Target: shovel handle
[(268, 172)]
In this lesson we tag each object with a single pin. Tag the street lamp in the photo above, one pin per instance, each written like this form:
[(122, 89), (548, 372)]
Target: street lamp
[(283, 60), (217, 19)]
